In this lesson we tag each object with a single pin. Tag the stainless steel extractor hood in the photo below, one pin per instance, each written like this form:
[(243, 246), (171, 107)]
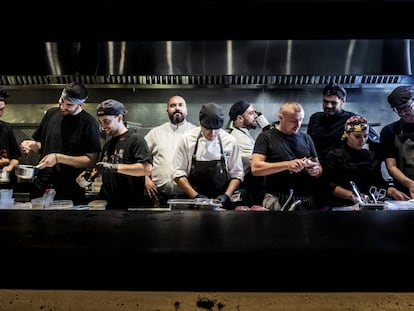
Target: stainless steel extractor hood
[(224, 63)]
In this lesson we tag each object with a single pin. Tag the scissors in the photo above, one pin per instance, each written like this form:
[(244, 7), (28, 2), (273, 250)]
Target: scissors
[(377, 194)]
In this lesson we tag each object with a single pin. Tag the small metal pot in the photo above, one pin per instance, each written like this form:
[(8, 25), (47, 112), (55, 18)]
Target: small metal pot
[(25, 172)]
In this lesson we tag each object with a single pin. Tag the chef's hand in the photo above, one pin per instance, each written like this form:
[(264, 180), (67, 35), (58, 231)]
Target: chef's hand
[(151, 187), (29, 145), (105, 167), (397, 195), (296, 165), (48, 160), (224, 199), (312, 167)]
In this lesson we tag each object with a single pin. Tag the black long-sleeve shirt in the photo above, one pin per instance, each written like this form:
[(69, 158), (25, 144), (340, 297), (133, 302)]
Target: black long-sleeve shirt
[(344, 164)]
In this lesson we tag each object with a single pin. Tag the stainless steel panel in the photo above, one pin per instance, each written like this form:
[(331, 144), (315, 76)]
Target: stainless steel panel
[(168, 62)]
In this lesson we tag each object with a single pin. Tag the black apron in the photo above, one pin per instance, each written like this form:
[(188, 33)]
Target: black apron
[(209, 178), (405, 145)]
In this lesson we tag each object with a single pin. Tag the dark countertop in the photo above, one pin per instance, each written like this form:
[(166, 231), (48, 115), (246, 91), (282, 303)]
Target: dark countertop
[(207, 250)]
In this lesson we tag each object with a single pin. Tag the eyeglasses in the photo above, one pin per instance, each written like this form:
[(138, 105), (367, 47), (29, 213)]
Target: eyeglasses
[(403, 108)]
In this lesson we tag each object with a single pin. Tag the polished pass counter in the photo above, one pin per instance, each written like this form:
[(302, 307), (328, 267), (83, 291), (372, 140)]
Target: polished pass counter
[(207, 250)]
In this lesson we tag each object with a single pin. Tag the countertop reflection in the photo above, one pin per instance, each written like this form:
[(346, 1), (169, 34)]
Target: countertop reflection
[(186, 250)]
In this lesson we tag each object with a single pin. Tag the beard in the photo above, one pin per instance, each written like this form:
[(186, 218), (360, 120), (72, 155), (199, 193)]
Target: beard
[(176, 117), (66, 112), (250, 125)]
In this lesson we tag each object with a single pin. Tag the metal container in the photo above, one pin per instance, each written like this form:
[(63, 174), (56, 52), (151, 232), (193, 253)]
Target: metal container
[(4, 177), (25, 172)]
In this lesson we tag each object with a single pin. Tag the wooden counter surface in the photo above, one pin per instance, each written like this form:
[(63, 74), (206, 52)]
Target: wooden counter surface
[(67, 300)]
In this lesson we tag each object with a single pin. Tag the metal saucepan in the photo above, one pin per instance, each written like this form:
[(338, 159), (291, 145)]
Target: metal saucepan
[(26, 172)]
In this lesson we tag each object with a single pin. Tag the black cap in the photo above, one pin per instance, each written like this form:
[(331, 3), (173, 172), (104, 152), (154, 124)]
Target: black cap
[(334, 89), (237, 109), (211, 116), (401, 95), (111, 107)]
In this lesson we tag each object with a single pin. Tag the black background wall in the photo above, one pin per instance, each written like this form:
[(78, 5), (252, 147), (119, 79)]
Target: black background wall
[(204, 19)]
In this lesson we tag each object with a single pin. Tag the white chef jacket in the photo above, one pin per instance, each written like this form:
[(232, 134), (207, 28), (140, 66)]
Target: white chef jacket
[(207, 151), (162, 141), (246, 145)]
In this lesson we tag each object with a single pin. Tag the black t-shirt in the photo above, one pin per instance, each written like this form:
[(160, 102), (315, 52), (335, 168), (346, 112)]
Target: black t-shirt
[(8, 144), (119, 190), (73, 135), (397, 142), (327, 130), (390, 132), (277, 147)]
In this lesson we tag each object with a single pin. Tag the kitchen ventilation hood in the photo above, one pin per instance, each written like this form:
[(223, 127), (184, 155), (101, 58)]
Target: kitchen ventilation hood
[(206, 81), (225, 63)]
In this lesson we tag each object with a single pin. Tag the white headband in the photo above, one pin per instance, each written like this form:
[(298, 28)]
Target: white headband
[(77, 101)]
